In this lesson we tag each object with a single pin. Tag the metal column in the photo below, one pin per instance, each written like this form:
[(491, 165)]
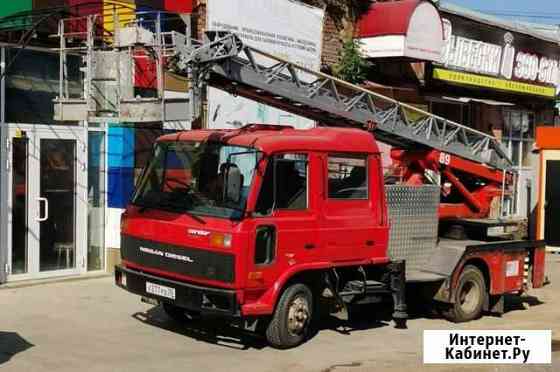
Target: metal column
[(3, 174)]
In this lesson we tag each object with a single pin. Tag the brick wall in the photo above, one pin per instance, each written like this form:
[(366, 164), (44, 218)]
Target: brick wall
[(199, 18), (332, 40)]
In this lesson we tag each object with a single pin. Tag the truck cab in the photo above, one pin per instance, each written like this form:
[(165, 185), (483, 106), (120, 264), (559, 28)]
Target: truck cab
[(222, 222)]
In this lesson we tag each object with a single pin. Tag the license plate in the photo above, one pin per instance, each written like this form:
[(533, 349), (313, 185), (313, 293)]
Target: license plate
[(160, 290)]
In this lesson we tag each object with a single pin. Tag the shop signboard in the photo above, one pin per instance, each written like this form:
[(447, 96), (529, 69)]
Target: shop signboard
[(485, 56), (287, 29)]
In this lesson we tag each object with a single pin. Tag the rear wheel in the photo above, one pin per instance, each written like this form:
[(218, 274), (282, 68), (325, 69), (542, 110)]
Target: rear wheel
[(469, 296), (289, 326)]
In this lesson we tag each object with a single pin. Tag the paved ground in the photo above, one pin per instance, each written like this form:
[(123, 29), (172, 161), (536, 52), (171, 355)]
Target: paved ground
[(91, 325)]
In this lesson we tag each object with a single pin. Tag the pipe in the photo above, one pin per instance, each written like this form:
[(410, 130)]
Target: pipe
[(471, 200)]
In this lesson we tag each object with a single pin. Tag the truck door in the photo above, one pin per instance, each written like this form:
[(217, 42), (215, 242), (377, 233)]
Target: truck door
[(351, 225), (285, 216)]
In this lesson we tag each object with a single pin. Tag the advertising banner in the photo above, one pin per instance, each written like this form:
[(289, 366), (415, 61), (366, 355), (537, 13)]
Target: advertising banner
[(284, 28), (489, 57)]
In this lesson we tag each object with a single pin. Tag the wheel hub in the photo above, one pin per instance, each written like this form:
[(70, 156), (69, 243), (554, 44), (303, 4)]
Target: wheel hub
[(298, 315), (468, 297)]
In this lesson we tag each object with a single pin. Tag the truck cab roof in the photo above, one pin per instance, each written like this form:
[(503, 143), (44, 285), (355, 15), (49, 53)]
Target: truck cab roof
[(276, 138)]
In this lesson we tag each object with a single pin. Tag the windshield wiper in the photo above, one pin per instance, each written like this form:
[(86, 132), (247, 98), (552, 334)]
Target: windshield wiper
[(195, 217), (175, 208)]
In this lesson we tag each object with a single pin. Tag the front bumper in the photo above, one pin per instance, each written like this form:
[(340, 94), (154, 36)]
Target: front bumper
[(206, 300)]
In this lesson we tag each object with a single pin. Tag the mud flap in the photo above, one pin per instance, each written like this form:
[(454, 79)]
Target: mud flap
[(494, 304)]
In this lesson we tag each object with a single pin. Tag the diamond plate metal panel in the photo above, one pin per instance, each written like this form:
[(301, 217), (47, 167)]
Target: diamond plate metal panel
[(413, 215)]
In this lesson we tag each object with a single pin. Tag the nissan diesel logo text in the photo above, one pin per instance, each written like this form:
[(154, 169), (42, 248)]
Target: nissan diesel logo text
[(173, 256), (198, 232)]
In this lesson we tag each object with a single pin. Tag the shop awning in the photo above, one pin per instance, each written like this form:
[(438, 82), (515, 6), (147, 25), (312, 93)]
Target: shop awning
[(408, 28), (488, 102)]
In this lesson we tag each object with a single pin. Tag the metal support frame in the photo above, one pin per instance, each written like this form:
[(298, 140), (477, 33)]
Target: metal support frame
[(476, 201), (3, 172), (3, 201), (85, 36)]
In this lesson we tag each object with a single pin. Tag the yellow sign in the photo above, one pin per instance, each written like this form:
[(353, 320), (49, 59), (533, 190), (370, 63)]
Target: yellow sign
[(494, 83)]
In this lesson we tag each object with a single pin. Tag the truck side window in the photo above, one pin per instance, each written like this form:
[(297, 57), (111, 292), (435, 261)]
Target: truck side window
[(265, 245), (284, 184), (347, 176)]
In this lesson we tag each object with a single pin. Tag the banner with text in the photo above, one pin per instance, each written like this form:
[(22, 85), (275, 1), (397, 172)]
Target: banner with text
[(496, 58), (284, 28)]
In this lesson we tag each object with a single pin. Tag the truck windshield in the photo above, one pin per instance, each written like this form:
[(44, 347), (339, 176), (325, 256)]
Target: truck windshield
[(190, 177)]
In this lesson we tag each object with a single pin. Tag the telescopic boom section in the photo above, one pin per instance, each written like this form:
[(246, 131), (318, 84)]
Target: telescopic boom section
[(223, 61)]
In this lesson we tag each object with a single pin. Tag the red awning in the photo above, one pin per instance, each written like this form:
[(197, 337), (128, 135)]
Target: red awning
[(391, 18), (179, 6), (406, 28)]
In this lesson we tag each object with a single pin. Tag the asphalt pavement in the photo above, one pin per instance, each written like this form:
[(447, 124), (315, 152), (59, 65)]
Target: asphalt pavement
[(91, 325)]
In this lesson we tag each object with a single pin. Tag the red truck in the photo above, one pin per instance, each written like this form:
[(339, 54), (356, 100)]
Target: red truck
[(275, 224), (271, 225)]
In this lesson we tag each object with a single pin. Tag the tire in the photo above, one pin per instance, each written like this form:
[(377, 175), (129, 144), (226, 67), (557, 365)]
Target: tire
[(177, 314), (469, 296), (291, 321)]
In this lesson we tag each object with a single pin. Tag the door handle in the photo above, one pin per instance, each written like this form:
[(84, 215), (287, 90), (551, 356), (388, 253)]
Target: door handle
[(309, 246), (46, 216)]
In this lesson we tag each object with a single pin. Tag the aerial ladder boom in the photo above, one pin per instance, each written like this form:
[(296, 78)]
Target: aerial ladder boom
[(223, 61), (470, 161)]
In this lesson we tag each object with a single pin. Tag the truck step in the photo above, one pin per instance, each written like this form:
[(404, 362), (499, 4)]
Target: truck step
[(356, 287)]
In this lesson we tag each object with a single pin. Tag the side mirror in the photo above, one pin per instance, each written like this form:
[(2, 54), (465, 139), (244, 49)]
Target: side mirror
[(233, 183)]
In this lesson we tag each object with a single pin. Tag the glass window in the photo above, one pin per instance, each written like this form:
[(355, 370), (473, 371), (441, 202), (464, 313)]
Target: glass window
[(210, 179), (96, 200), (347, 176), (32, 82), (519, 127), (284, 184), (265, 245), (19, 205)]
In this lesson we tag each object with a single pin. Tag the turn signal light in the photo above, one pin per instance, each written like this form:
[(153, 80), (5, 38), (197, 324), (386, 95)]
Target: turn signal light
[(124, 222), (255, 275), (220, 240)]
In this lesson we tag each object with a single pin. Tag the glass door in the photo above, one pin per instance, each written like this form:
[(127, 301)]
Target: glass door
[(48, 201)]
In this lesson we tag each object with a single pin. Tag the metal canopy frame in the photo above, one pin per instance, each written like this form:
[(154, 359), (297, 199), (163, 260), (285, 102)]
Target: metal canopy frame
[(109, 63)]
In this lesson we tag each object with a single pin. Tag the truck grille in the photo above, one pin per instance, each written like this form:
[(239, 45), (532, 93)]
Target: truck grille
[(180, 260)]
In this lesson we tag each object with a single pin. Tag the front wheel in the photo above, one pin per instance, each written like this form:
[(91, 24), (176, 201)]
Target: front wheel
[(469, 296), (289, 326)]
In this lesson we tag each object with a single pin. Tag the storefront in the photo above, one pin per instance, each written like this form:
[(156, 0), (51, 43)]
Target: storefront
[(64, 185), (53, 175), (493, 75)]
